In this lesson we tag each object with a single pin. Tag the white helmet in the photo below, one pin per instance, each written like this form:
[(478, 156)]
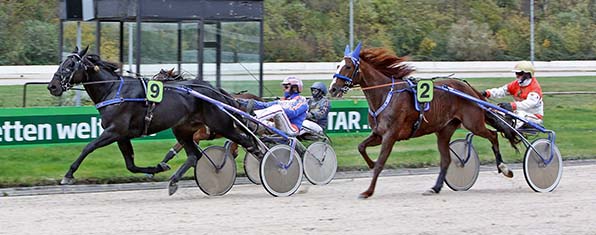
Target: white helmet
[(525, 67), (293, 81)]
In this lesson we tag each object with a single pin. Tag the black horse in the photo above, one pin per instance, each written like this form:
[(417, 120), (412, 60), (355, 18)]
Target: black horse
[(126, 113)]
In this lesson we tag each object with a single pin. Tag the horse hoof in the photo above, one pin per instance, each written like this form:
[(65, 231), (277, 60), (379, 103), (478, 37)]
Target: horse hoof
[(164, 166), (505, 170), (364, 196), (67, 181), (172, 188), (430, 192)]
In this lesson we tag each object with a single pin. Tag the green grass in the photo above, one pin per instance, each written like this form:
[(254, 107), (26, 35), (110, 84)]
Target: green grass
[(570, 116)]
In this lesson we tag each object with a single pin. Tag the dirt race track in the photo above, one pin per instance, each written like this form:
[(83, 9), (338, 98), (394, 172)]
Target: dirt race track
[(495, 205)]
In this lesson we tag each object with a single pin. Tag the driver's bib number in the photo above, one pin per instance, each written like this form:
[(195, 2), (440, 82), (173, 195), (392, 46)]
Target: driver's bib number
[(424, 91), (154, 91)]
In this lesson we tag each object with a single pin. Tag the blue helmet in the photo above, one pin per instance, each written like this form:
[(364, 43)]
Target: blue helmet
[(321, 86)]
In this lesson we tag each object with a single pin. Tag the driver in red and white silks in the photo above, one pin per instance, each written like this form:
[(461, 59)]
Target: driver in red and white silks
[(526, 93), (288, 113)]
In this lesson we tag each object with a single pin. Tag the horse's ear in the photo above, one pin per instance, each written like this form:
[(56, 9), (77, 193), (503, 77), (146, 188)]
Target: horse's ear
[(76, 50), (171, 71), (84, 52), (356, 52), (91, 61), (93, 58), (347, 51)]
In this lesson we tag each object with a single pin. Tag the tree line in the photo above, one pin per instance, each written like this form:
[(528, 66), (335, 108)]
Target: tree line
[(314, 30)]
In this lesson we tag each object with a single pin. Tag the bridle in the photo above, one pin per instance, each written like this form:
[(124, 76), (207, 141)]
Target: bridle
[(66, 74), (348, 80)]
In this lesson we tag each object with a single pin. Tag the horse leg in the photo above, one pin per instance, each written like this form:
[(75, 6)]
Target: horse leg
[(172, 153), (246, 141), (193, 154), (372, 140), (443, 138), (386, 147), (501, 166), (492, 136), (197, 136), (128, 153), (104, 139), (231, 148)]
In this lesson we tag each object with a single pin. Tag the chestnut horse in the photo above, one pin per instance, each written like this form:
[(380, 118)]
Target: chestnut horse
[(392, 114)]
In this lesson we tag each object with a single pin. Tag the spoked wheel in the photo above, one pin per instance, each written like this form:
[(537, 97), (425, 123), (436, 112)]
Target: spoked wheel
[(320, 163), (252, 167), (464, 167), (281, 171), (215, 172), (541, 174)]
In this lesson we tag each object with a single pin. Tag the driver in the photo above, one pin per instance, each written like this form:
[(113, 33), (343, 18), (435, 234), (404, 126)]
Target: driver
[(289, 113), (318, 109), (526, 92)]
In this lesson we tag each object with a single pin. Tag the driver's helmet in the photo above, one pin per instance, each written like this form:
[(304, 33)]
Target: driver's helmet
[(524, 66), (293, 81), (319, 86)]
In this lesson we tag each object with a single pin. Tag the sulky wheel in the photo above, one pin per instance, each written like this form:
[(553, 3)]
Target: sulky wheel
[(541, 174), (215, 172), (252, 166), (320, 163), (281, 171), (464, 167)]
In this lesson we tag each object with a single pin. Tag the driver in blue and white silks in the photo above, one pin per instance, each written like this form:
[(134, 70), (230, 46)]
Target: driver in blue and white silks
[(287, 114)]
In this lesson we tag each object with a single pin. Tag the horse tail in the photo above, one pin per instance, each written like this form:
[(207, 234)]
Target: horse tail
[(498, 122)]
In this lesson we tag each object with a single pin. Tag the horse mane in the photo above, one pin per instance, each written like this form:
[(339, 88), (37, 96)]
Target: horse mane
[(386, 62), (110, 66)]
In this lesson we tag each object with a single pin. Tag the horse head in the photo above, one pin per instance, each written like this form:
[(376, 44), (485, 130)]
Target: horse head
[(70, 72), (347, 72), (167, 75)]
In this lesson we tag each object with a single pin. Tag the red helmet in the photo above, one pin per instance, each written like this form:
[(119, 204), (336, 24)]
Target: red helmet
[(293, 81)]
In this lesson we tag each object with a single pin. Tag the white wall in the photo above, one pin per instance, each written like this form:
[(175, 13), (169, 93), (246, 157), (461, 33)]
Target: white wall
[(324, 70)]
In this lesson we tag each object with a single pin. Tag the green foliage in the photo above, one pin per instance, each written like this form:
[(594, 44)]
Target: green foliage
[(471, 41), (311, 30), (28, 32), (39, 40)]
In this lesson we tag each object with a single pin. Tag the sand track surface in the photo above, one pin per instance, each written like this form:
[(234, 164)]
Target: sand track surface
[(495, 205)]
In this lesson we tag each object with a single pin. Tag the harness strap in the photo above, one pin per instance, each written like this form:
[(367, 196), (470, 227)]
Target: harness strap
[(417, 123), (118, 98), (416, 103), (385, 104), (148, 117), (421, 111), (374, 114)]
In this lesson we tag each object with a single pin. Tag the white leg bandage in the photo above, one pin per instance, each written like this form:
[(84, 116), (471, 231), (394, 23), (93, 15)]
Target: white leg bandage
[(528, 116), (280, 118), (309, 126)]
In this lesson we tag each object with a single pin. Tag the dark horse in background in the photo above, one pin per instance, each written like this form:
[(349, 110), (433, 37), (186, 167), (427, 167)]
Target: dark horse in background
[(203, 133), (379, 72), (123, 109)]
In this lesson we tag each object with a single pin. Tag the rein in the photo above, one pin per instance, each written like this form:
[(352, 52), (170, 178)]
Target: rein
[(378, 86)]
